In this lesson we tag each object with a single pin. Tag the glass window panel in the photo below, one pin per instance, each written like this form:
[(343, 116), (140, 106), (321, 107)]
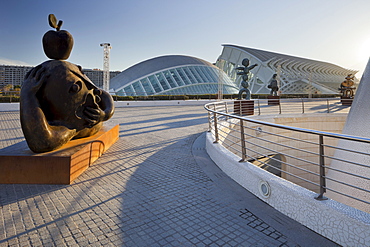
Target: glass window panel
[(129, 91), (177, 78), (201, 74), (120, 92), (155, 84), (162, 81), (195, 74), (138, 89), (206, 73), (189, 75), (183, 76), (147, 87), (171, 81), (213, 74)]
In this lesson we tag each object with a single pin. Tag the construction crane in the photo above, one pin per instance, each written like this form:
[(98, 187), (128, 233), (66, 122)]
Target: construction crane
[(106, 53)]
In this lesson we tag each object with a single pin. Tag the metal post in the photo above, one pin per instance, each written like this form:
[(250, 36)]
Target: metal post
[(279, 107), (209, 122), (226, 111), (302, 106), (215, 120), (242, 139), (322, 171), (259, 108), (240, 108)]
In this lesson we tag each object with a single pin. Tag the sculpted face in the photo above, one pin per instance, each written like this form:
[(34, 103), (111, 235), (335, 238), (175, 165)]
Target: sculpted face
[(69, 98)]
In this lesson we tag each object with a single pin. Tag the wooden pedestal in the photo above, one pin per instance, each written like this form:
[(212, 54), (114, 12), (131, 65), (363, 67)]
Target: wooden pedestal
[(346, 100), (19, 165), (244, 107), (273, 100)]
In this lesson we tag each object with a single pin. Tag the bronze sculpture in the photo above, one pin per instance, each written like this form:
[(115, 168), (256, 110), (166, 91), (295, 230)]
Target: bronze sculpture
[(273, 85), (245, 77), (58, 102), (346, 87)]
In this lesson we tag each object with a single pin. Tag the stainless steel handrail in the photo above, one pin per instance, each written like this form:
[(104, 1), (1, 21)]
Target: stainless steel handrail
[(224, 123)]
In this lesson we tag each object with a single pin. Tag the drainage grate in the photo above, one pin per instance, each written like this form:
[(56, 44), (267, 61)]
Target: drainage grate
[(261, 226)]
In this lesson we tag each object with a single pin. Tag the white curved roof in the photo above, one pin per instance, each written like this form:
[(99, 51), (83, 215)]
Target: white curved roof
[(150, 66), (172, 75)]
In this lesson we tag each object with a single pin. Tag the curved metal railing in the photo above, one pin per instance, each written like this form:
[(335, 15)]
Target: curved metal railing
[(302, 156)]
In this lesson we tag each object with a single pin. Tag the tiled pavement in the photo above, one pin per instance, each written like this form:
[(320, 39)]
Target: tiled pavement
[(155, 187)]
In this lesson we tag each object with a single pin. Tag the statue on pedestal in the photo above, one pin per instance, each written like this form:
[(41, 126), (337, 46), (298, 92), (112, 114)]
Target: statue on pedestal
[(58, 102), (245, 77), (273, 85), (346, 87)]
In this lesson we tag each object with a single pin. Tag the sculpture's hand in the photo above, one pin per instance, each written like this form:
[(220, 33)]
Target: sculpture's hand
[(34, 79), (93, 115)]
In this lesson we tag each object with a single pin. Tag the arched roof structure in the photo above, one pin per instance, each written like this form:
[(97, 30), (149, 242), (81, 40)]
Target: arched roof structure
[(172, 75), (296, 75)]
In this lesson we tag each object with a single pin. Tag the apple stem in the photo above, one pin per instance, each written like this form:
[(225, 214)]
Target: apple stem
[(59, 25)]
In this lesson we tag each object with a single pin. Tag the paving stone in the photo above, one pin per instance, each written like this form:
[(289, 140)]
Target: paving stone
[(146, 190)]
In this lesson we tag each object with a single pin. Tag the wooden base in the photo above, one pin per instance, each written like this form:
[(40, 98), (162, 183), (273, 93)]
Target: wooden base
[(19, 165), (346, 100), (244, 107), (273, 100)]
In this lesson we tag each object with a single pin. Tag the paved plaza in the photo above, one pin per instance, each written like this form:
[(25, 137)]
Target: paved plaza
[(156, 186)]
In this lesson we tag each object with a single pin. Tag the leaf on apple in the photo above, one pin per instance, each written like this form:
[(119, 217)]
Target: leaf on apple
[(53, 21)]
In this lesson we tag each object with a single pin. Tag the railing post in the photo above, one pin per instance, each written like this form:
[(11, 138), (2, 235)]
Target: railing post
[(226, 111), (322, 171), (209, 122), (242, 139), (215, 121), (302, 106), (279, 107), (259, 108), (240, 108)]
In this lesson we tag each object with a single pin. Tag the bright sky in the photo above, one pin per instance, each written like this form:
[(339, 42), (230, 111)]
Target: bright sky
[(335, 31)]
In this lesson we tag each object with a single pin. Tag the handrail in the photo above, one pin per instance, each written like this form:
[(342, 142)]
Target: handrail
[(254, 148)]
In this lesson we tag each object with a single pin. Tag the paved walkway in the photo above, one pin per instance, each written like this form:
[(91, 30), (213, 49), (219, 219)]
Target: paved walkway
[(155, 187)]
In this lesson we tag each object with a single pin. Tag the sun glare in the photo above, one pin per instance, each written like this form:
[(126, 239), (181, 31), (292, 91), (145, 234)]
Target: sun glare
[(364, 50)]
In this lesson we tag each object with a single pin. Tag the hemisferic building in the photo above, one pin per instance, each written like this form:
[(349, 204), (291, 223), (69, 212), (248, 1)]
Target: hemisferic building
[(172, 75)]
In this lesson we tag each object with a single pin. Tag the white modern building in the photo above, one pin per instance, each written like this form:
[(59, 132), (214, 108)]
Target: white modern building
[(296, 75), (172, 75)]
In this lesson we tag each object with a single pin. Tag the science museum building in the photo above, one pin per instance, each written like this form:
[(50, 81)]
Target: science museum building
[(172, 75), (186, 75), (296, 75)]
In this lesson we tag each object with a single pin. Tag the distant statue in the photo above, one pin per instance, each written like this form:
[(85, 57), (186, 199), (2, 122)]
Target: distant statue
[(346, 87), (244, 73), (58, 102), (273, 85)]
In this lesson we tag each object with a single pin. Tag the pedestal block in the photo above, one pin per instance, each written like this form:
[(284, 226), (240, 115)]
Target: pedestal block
[(244, 107), (273, 100), (346, 100), (19, 165)]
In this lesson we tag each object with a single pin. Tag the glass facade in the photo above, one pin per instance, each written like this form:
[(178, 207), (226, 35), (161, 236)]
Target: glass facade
[(191, 79)]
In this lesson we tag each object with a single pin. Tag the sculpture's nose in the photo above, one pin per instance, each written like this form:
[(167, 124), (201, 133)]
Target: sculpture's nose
[(97, 92)]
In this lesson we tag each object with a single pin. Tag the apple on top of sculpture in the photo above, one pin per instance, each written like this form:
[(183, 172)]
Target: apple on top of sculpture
[(57, 44), (59, 102)]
